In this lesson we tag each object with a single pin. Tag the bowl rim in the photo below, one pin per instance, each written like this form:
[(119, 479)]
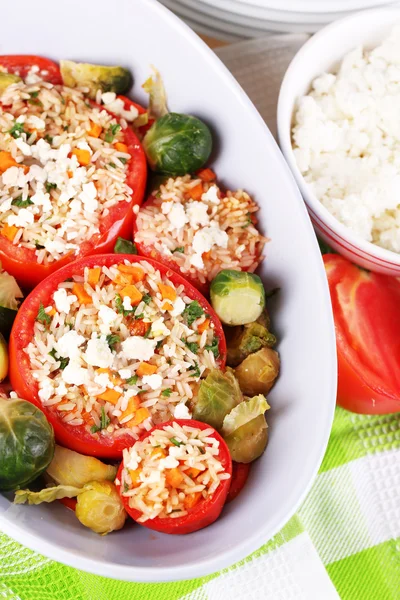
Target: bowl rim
[(304, 54), (153, 574)]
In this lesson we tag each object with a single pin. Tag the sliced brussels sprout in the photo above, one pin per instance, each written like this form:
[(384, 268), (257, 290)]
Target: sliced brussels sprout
[(217, 395), (237, 297), (258, 372), (245, 429), (26, 443), (10, 294), (7, 79), (49, 494), (154, 86), (177, 144), (100, 508), (244, 340), (95, 77), (71, 468)]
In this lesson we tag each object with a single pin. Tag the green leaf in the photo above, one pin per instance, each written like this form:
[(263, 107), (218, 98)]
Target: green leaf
[(42, 316), (176, 442), (104, 422), (213, 346), (21, 203), (193, 346), (195, 369), (50, 186), (192, 312), (146, 299), (119, 305), (124, 247), (48, 138), (180, 249), (132, 380), (166, 392), (112, 132), (112, 340), (16, 130)]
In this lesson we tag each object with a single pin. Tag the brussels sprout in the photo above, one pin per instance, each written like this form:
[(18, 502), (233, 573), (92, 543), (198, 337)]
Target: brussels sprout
[(7, 79), (217, 395), (10, 294), (49, 494), (71, 468), (177, 144), (26, 443), (258, 372), (237, 297), (245, 340), (245, 430), (100, 508), (95, 77), (154, 86)]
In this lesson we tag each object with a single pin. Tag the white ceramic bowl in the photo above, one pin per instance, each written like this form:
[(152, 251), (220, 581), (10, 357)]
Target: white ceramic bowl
[(320, 54), (246, 155)]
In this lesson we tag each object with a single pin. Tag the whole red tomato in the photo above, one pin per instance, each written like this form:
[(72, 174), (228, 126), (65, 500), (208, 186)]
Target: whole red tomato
[(366, 309)]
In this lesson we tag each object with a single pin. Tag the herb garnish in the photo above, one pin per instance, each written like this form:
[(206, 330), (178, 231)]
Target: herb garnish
[(42, 316), (192, 312), (21, 203), (104, 422)]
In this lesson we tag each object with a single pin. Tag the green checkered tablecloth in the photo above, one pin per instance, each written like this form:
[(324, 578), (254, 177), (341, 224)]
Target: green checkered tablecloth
[(343, 543)]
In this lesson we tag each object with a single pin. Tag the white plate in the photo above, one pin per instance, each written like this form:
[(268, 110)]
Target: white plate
[(246, 156), (317, 6)]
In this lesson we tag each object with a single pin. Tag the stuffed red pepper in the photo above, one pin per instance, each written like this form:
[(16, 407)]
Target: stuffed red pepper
[(110, 345), (176, 478)]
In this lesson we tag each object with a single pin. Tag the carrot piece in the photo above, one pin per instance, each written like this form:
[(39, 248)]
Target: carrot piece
[(191, 500), (135, 476), (168, 306), (70, 174), (124, 279), (133, 294), (7, 161), (95, 130), (82, 155), (94, 276), (174, 477), (137, 273), (121, 147), (81, 293), (167, 292), (145, 369), (110, 395), (206, 175), (139, 327), (196, 192), (87, 417), (141, 415), (204, 326), (9, 231), (192, 472), (133, 405), (158, 453), (52, 312)]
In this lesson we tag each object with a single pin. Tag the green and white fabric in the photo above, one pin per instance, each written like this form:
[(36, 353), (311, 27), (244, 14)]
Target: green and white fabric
[(344, 542)]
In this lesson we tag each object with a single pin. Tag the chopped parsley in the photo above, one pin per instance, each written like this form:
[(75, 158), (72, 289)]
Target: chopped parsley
[(112, 132), (123, 160), (141, 316), (48, 138), (159, 344), (104, 422), (34, 94), (126, 487), (196, 370), (63, 361), (119, 305), (192, 312), (112, 165), (146, 335), (53, 354), (146, 299), (193, 346), (38, 245), (132, 380), (124, 247), (166, 392), (112, 340), (42, 316), (34, 101), (50, 186), (248, 222), (16, 130), (20, 202), (180, 249), (213, 346), (176, 442)]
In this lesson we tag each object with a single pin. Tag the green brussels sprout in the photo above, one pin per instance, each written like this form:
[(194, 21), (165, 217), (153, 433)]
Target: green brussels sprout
[(177, 144), (26, 443), (217, 395), (258, 372), (49, 494), (7, 79), (95, 77), (71, 468), (237, 297), (245, 430), (244, 340), (100, 508)]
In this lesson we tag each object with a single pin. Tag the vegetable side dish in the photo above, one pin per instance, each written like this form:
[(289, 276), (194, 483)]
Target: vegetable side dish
[(132, 393)]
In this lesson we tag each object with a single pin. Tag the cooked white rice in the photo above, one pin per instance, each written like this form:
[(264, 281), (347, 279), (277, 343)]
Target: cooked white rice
[(76, 360), (171, 471), (224, 224), (54, 202)]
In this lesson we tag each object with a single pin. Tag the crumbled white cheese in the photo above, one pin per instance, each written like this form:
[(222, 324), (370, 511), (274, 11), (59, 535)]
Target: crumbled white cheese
[(177, 216), (107, 314), (75, 374), (124, 373), (41, 198), (153, 381), (197, 214), (126, 303), (23, 218), (88, 197), (14, 176), (103, 380), (133, 460), (68, 344), (152, 477), (46, 389), (138, 348), (169, 462), (211, 195), (98, 353), (181, 411), (63, 302), (23, 147), (204, 240), (158, 328), (178, 307), (36, 122)]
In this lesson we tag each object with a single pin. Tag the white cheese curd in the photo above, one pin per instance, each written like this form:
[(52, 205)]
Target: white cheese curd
[(22, 219), (177, 216), (346, 141), (197, 213), (211, 195), (181, 411), (126, 303), (153, 381), (204, 240), (178, 307), (158, 328), (68, 345), (63, 302), (74, 373), (98, 353), (138, 348), (124, 373)]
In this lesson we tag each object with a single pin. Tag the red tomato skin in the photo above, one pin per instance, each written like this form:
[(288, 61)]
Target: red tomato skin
[(22, 63), (69, 503), (22, 262), (368, 383), (206, 511), (240, 473), (77, 437)]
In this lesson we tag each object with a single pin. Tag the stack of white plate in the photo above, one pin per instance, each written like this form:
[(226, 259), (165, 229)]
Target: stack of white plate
[(232, 20)]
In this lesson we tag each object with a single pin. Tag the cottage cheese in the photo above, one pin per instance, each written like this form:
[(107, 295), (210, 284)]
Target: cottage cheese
[(346, 141)]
